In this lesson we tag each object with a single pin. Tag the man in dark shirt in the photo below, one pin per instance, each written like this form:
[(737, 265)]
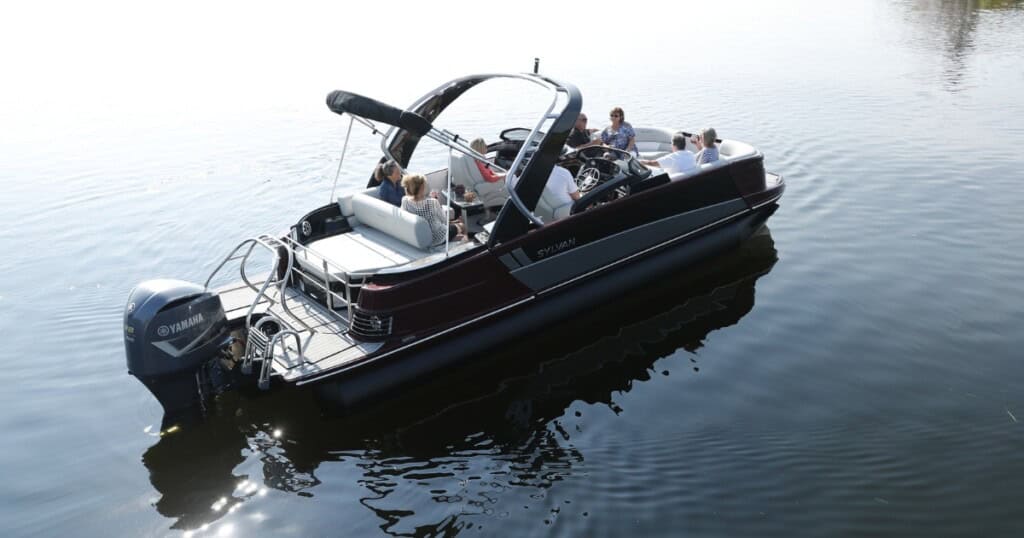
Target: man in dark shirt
[(579, 137)]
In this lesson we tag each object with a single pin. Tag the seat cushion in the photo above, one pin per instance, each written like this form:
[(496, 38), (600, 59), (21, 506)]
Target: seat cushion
[(345, 200), (653, 146), (360, 250), (653, 135), (547, 209), (653, 155), (466, 173), (653, 143), (391, 220), (733, 149)]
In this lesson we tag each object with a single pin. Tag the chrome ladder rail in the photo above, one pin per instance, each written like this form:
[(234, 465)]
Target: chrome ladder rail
[(332, 298), (259, 345)]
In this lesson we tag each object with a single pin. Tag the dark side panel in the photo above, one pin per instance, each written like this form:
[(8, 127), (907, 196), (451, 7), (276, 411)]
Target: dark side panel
[(597, 237), (566, 262), (465, 289)]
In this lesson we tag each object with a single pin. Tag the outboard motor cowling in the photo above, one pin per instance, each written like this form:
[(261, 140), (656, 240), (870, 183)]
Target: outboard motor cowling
[(172, 328)]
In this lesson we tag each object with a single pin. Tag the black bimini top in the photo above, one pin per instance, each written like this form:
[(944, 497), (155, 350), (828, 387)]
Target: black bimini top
[(352, 103)]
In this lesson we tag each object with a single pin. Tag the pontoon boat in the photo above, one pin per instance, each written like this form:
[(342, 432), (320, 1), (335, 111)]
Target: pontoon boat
[(358, 301)]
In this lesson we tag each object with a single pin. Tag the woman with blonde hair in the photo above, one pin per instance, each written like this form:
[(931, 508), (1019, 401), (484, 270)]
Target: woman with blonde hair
[(417, 202), (489, 175)]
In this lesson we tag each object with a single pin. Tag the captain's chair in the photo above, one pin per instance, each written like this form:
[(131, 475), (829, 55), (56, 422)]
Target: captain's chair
[(466, 173), (547, 209)]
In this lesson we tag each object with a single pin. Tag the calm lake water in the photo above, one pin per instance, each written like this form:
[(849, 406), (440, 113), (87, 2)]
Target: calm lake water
[(856, 370)]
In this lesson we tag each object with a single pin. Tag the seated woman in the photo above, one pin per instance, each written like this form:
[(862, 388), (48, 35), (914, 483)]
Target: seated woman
[(705, 142), (620, 133), (389, 176), (417, 202), (489, 175)]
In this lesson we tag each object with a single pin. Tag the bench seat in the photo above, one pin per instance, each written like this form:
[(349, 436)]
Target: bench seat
[(364, 249)]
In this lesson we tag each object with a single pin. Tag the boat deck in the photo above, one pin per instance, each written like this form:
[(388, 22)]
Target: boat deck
[(323, 334)]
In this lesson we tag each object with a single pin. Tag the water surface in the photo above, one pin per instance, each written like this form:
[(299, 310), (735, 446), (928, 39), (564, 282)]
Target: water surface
[(854, 371)]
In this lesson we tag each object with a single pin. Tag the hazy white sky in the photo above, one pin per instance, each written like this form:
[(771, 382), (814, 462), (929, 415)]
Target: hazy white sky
[(141, 50), (119, 47)]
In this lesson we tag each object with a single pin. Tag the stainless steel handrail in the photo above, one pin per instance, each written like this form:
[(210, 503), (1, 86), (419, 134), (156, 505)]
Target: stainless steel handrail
[(327, 277), (231, 256), (270, 243), (264, 380), (532, 141), (453, 141), (250, 350)]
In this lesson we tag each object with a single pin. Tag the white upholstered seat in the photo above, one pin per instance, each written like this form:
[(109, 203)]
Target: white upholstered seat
[(652, 142), (360, 250), (382, 236), (466, 173), (733, 149), (548, 209)]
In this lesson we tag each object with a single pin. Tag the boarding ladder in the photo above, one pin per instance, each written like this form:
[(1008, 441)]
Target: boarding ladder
[(261, 339)]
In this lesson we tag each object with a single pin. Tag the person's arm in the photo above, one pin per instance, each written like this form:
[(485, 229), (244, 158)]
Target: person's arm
[(489, 175), (386, 192), (631, 137), (662, 162), (437, 212), (574, 190)]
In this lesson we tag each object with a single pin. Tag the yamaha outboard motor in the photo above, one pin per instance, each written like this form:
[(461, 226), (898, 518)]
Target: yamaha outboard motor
[(172, 330)]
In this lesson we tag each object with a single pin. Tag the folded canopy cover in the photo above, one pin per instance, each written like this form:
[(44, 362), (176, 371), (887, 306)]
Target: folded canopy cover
[(347, 102)]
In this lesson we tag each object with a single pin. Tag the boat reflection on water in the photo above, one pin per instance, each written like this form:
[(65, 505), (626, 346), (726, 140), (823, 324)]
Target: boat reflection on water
[(502, 410)]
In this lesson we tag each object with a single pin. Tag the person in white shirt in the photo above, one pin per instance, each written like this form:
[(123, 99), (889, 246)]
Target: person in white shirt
[(679, 161), (561, 186)]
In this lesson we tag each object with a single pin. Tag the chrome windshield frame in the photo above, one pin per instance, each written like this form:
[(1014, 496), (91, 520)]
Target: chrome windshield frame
[(455, 142)]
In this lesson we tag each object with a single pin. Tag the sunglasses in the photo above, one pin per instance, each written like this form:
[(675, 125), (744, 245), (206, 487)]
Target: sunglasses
[(615, 116)]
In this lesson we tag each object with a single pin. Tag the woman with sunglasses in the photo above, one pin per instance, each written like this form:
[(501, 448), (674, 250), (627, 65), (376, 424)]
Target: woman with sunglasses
[(620, 133)]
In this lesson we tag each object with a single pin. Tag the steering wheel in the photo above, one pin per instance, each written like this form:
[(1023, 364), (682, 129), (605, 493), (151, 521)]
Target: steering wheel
[(595, 171), (588, 178)]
